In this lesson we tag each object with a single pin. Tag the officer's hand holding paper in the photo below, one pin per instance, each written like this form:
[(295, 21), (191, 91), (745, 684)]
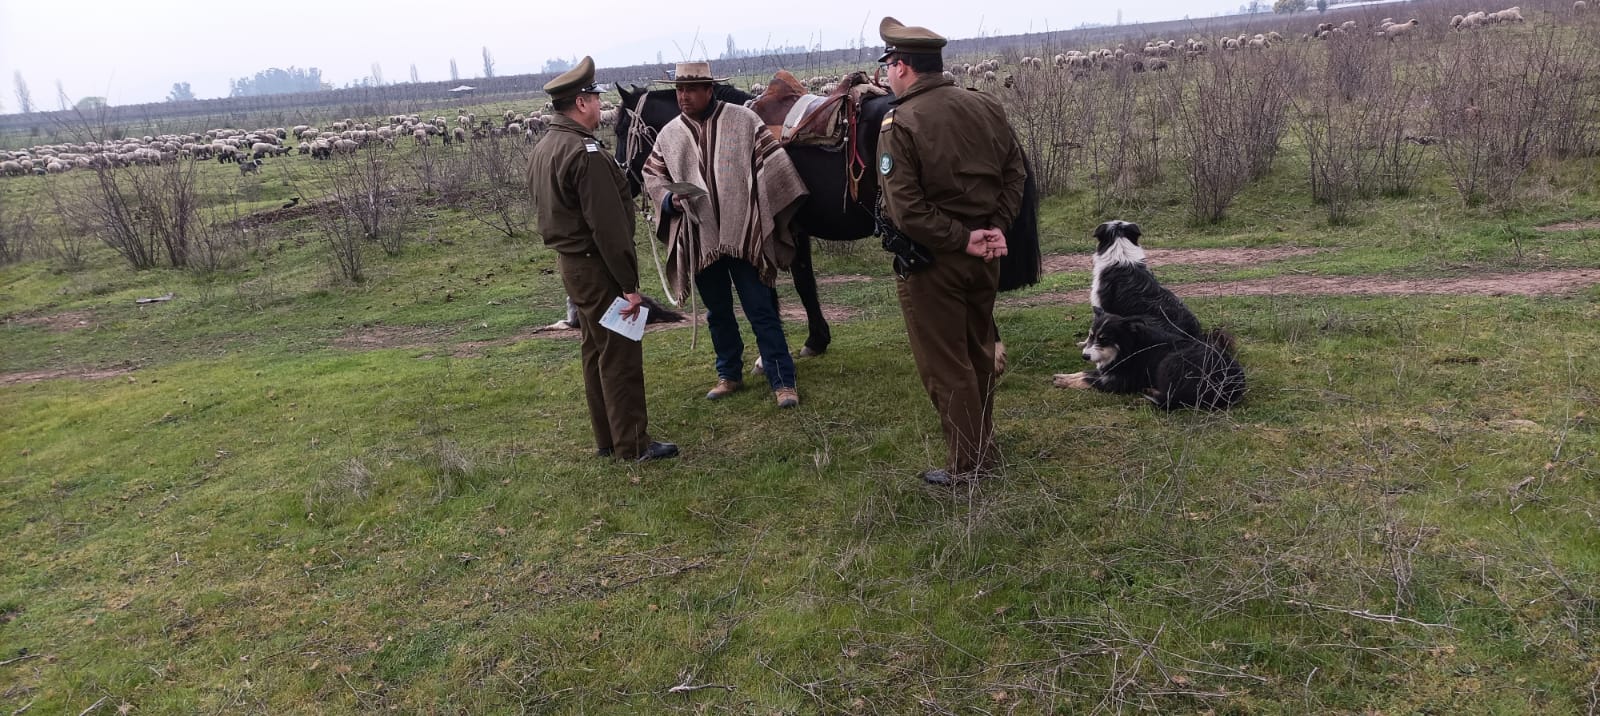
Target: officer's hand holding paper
[(630, 328)]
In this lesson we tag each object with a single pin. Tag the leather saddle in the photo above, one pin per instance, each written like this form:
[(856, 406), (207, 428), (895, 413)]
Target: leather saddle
[(795, 116)]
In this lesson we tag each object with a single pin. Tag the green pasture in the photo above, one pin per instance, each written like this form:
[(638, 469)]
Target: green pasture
[(283, 493)]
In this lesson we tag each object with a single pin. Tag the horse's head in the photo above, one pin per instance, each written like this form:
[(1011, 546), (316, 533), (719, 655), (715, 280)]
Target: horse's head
[(636, 132), (644, 112)]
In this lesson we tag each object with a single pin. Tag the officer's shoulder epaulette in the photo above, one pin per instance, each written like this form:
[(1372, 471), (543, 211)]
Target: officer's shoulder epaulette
[(888, 120)]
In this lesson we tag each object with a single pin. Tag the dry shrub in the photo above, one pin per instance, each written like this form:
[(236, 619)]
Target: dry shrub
[(365, 201), (146, 213), (222, 239), (1498, 101), (1228, 115), (68, 240), (352, 481), (1351, 119), (1053, 116), (18, 233), (1122, 133), (499, 190)]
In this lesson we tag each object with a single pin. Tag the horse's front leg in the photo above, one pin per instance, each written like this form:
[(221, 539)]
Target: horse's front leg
[(805, 283)]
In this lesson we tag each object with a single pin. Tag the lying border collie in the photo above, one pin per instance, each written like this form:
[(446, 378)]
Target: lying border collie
[(1145, 355), (1125, 286)]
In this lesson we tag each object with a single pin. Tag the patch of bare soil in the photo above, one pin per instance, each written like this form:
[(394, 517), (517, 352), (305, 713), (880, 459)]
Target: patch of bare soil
[(35, 376), (370, 338), (1534, 283), (64, 322), (1584, 225), (842, 278), (793, 312), (1057, 263)]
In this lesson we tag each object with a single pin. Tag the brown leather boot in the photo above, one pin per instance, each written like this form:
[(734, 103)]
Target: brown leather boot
[(724, 388), (787, 397)]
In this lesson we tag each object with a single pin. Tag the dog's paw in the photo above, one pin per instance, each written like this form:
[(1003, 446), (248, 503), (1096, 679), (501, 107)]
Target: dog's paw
[(1079, 381)]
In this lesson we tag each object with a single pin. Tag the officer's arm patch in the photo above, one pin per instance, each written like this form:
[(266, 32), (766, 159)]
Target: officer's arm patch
[(885, 164), (589, 145)]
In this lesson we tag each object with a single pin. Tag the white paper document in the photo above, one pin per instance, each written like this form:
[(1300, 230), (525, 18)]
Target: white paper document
[(631, 328)]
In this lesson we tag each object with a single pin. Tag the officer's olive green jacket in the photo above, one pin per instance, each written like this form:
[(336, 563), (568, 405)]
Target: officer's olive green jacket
[(948, 164), (580, 196)]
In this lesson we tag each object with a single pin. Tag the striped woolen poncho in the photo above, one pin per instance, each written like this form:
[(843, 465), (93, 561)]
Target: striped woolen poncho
[(752, 192)]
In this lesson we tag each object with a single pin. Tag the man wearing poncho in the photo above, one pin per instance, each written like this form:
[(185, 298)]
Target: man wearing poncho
[(727, 226)]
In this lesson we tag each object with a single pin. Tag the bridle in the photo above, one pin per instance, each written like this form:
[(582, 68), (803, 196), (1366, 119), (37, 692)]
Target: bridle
[(641, 137)]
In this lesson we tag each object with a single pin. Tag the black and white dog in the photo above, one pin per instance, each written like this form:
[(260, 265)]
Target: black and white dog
[(1150, 356), (1125, 286)]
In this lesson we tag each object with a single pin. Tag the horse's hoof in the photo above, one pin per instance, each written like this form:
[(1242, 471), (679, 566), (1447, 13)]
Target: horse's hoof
[(809, 352)]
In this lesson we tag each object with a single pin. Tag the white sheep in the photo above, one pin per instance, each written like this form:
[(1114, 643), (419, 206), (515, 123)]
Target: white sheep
[(1510, 15), (261, 149), (1401, 30), (421, 136), (459, 133), (12, 168)]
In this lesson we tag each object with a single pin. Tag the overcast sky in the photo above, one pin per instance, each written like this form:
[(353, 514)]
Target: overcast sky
[(134, 52)]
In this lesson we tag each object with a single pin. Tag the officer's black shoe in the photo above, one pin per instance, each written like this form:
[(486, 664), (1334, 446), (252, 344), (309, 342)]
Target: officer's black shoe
[(603, 452), (658, 451)]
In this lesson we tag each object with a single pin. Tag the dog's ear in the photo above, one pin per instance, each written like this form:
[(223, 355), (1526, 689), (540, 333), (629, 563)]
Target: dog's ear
[(1098, 312), (1103, 231), (1132, 232)]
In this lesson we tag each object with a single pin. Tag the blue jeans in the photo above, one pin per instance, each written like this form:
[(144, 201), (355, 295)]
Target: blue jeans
[(716, 284)]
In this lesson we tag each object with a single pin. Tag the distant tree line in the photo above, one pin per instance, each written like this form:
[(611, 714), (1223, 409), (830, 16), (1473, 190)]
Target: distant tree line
[(278, 81)]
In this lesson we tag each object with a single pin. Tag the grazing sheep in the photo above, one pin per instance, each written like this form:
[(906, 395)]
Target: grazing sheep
[(1509, 15), (460, 134), (1401, 30), (421, 136), (1156, 64), (261, 149), (345, 146), (12, 168)]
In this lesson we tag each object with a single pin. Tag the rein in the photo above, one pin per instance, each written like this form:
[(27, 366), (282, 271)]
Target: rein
[(640, 136)]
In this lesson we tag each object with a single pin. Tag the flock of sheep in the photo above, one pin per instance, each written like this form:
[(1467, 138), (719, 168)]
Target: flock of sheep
[(248, 148)]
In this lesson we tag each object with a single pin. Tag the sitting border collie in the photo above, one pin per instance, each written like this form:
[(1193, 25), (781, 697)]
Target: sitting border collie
[(1146, 355), (1123, 285)]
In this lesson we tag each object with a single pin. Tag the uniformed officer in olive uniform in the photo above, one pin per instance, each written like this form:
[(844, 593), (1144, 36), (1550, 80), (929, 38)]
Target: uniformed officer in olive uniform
[(952, 174), (581, 198)]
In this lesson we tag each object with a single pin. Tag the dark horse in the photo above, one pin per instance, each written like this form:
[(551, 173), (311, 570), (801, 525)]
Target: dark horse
[(829, 212)]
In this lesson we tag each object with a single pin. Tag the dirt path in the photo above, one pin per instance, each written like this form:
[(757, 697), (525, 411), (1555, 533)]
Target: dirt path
[(34, 376), (1058, 263), (1534, 283)]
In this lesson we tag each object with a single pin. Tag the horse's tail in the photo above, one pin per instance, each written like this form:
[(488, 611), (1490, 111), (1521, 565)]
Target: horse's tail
[(1020, 266), (660, 313)]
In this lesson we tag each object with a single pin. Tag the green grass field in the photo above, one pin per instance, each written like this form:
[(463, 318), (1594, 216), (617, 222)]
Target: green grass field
[(287, 494)]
